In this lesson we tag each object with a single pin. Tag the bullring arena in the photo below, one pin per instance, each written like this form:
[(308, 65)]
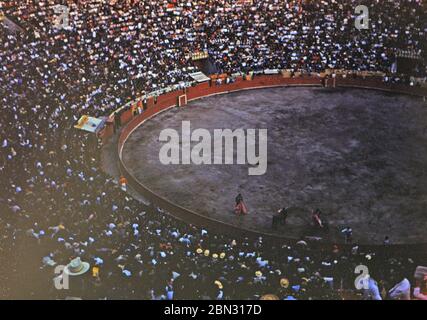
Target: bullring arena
[(353, 152)]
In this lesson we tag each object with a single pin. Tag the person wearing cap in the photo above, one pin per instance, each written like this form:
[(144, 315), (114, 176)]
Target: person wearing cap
[(348, 234), (220, 293), (76, 267), (283, 290), (76, 272)]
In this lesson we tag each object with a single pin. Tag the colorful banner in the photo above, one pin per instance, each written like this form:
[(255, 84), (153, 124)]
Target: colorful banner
[(90, 124)]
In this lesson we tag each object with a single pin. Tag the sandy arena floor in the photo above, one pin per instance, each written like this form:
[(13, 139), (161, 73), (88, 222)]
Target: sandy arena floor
[(358, 155)]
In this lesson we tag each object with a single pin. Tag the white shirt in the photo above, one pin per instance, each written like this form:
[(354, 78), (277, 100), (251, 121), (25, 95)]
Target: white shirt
[(401, 291), (372, 293)]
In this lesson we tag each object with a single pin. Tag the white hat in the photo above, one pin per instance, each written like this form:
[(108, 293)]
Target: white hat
[(76, 267)]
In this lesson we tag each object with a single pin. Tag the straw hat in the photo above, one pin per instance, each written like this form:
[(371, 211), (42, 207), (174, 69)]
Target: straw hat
[(199, 250), (284, 283), (269, 297), (206, 253), (215, 256), (219, 284), (222, 255), (76, 267), (258, 274)]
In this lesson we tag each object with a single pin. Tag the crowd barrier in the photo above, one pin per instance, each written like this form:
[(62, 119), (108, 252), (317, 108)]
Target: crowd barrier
[(155, 105)]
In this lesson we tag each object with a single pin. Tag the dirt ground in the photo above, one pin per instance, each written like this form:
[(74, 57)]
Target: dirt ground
[(358, 155)]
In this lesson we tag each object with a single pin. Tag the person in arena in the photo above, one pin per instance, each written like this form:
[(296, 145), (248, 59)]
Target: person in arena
[(240, 207), (280, 217), (348, 234), (316, 218)]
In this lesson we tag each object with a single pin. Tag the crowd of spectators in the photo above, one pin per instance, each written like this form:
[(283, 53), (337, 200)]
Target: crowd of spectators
[(56, 203)]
